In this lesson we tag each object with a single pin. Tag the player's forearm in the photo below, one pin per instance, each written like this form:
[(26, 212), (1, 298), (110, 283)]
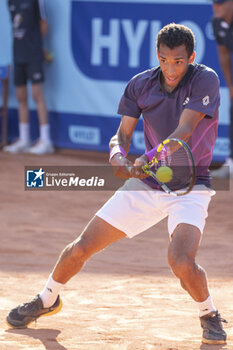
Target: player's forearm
[(188, 122), (119, 148), (121, 140), (182, 132), (123, 137)]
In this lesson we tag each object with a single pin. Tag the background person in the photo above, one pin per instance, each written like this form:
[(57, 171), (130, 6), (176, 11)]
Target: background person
[(29, 25), (223, 31)]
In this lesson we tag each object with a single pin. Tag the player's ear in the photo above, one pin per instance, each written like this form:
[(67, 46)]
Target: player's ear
[(192, 57)]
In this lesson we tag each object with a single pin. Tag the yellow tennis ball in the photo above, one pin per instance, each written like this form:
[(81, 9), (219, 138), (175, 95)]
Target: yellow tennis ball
[(164, 174)]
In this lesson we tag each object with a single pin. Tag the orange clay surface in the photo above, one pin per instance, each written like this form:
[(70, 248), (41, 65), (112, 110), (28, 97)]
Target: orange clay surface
[(126, 297)]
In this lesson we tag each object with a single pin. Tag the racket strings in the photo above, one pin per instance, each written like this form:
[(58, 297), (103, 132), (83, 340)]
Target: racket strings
[(177, 159)]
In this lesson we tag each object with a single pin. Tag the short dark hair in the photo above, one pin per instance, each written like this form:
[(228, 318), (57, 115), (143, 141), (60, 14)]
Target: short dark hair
[(173, 35)]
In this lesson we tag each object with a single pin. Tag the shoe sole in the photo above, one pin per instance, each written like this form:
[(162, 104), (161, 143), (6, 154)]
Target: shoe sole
[(54, 312), (26, 150), (41, 154), (213, 342)]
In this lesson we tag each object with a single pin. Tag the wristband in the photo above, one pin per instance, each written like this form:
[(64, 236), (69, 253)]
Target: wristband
[(117, 149), (150, 154)]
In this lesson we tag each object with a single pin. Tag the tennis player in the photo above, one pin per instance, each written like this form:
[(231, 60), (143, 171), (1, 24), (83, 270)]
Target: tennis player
[(178, 99)]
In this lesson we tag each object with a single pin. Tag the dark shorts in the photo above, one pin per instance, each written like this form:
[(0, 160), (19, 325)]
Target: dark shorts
[(28, 71)]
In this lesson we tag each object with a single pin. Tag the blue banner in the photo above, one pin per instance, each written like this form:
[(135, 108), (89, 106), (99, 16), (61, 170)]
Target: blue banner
[(97, 47), (118, 40)]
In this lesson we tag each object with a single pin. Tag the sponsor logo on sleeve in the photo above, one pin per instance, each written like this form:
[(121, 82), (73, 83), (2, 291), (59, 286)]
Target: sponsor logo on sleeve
[(206, 100)]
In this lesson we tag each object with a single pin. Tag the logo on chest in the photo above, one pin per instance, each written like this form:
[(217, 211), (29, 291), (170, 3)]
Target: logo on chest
[(186, 101)]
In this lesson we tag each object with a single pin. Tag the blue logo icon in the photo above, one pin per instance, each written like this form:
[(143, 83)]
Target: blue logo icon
[(35, 178)]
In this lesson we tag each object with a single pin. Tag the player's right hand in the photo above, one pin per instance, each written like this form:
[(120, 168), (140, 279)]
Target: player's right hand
[(122, 166), (137, 167)]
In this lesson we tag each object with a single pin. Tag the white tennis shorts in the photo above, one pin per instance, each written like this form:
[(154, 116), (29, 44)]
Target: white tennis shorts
[(135, 211)]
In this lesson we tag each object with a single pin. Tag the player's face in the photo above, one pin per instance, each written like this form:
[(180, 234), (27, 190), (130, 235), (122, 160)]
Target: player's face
[(174, 64), (224, 10)]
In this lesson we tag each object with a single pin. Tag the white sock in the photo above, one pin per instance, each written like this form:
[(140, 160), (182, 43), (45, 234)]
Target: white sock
[(24, 132), (45, 133), (206, 307), (50, 292)]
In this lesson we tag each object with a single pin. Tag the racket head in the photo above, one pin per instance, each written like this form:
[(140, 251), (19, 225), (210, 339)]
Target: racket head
[(176, 155)]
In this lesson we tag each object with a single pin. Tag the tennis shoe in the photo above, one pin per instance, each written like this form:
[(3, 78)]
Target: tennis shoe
[(213, 332), (42, 147), (20, 146), (26, 313)]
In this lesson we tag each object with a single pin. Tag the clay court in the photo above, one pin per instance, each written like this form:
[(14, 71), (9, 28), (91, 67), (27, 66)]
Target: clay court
[(126, 297)]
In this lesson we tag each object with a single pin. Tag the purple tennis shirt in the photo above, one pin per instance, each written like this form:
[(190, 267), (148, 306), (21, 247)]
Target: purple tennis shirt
[(198, 90)]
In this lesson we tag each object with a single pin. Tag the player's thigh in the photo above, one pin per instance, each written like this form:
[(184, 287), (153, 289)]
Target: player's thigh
[(35, 72), (190, 209), (134, 208), (97, 235), (20, 75), (21, 93), (37, 92)]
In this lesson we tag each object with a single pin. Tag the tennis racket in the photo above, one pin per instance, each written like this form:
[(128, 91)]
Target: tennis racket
[(173, 167)]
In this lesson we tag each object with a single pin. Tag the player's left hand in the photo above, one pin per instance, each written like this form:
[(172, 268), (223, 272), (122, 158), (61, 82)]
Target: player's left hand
[(122, 166)]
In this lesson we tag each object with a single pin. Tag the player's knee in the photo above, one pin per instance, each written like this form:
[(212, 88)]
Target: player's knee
[(21, 97), (182, 266), (36, 97)]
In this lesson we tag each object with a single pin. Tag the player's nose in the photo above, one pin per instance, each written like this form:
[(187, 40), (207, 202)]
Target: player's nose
[(170, 70)]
